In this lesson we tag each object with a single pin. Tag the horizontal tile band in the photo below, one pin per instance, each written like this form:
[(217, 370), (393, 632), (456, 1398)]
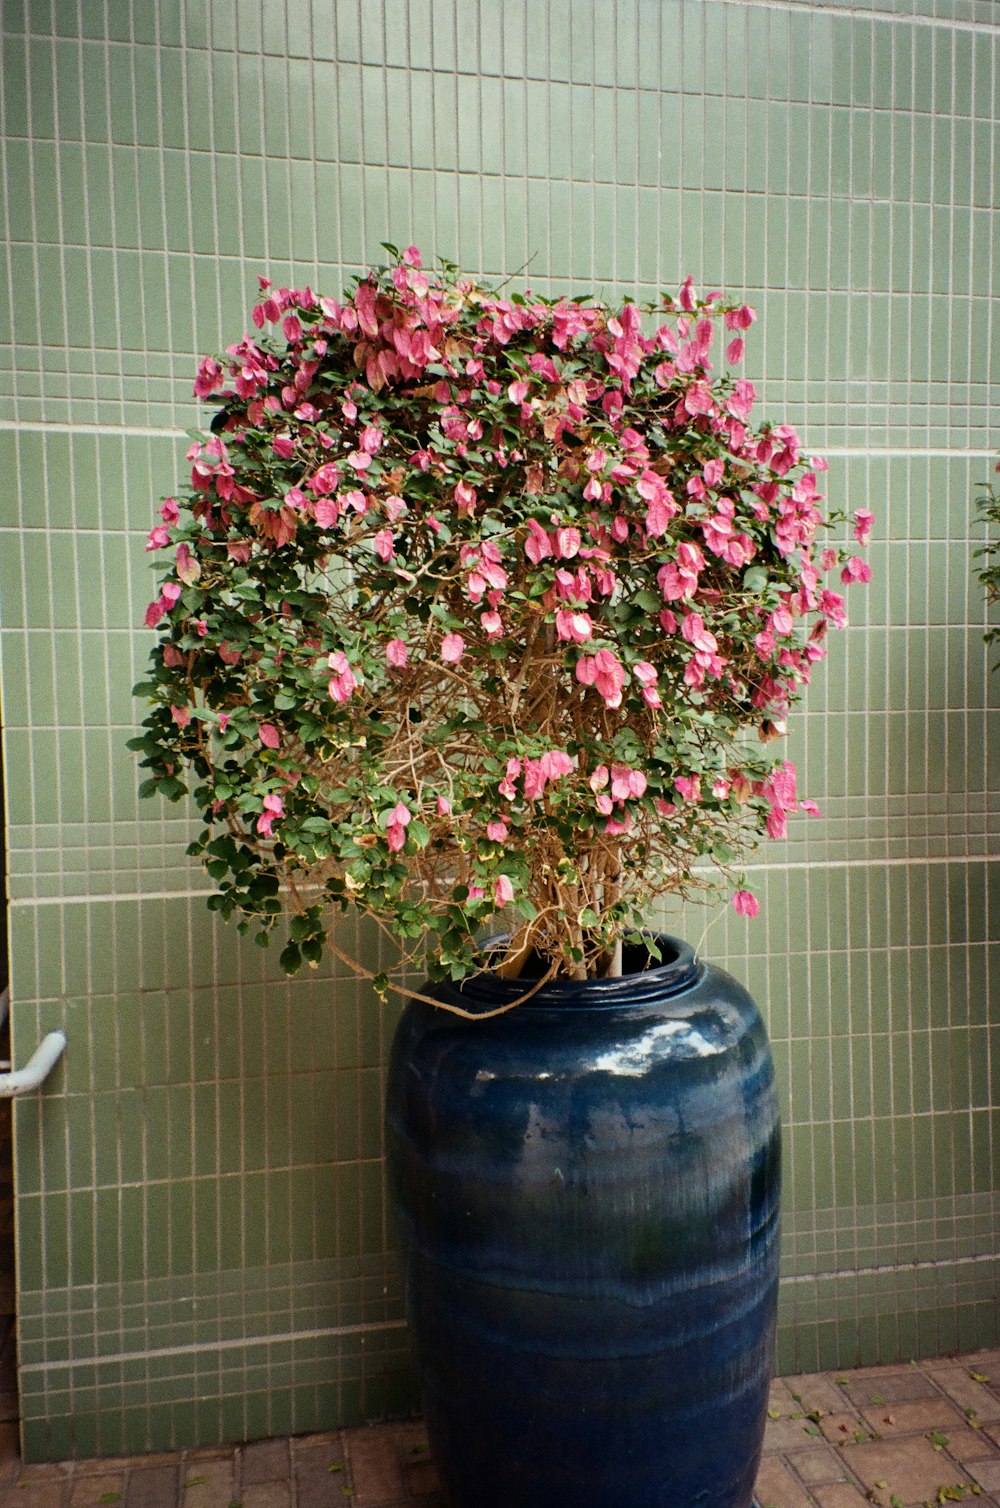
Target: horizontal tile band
[(791, 7), (923, 862), (883, 1269), (856, 14), (137, 432), (116, 1358), (235, 1344)]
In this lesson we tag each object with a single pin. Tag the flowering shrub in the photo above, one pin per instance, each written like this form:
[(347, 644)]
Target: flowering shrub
[(482, 604), (988, 504)]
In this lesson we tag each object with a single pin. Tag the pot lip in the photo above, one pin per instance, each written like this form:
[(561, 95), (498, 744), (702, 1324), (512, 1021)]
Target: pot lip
[(678, 971)]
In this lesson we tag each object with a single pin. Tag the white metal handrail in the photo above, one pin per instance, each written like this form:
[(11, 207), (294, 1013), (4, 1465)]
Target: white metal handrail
[(38, 1067)]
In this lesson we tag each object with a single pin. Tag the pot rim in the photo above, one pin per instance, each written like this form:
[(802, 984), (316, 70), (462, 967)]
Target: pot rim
[(678, 970)]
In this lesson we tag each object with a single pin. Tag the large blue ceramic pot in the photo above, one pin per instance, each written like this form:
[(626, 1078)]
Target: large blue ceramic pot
[(586, 1192)]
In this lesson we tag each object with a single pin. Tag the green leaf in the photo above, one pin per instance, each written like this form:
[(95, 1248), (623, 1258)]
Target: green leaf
[(755, 579), (290, 958), (938, 1440)]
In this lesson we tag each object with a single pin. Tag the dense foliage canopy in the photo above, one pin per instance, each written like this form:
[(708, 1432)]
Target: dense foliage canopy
[(481, 604)]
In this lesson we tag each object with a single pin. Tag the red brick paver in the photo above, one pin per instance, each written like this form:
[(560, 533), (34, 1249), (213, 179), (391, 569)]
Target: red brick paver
[(880, 1436)]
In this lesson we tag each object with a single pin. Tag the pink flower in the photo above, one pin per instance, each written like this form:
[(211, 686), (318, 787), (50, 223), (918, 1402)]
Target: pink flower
[(626, 783), (343, 683), (688, 786), (399, 821), (385, 547), (745, 903), (452, 648), (465, 497), (831, 605), (856, 569), (181, 716), (863, 521), (210, 377), (273, 809), (736, 350), (269, 736), (443, 806), (740, 319), (575, 627), (396, 653), (603, 671), (169, 511), (496, 830), (566, 543), (503, 891), (159, 538), (506, 786)]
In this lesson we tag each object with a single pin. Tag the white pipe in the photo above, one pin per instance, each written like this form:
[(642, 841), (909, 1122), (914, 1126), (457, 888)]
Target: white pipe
[(39, 1066)]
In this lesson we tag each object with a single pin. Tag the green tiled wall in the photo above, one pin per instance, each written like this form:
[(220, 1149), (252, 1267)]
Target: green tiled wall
[(202, 1231)]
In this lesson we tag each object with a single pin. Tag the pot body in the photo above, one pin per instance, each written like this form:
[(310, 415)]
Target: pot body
[(586, 1195)]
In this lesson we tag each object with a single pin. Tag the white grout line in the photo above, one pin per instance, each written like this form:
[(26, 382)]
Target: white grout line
[(855, 14), (923, 861), (868, 1272), (237, 1343), (142, 432)]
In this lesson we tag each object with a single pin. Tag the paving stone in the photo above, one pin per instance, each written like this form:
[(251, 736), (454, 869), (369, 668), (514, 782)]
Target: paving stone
[(986, 1361), (88, 1491), (819, 1464), (910, 1466), (268, 1495), (376, 1475), (966, 1444), (914, 1417), (208, 1484), (319, 1471), (957, 1383), (777, 1488), (818, 1391), (314, 1442), (52, 1493), (307, 1450), (894, 1387), (265, 1461), (315, 1491), (153, 1487), (840, 1495), (46, 1471), (986, 1473), (785, 1434), (780, 1397), (840, 1428)]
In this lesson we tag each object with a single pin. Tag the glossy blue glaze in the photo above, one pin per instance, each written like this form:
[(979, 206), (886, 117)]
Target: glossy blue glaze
[(586, 1192)]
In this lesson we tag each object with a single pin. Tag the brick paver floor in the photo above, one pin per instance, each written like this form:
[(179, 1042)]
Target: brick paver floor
[(899, 1436)]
